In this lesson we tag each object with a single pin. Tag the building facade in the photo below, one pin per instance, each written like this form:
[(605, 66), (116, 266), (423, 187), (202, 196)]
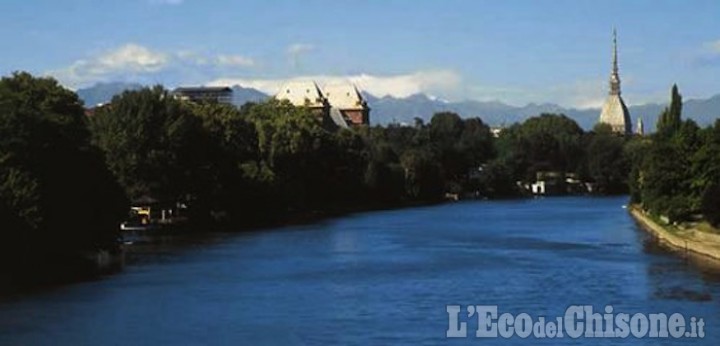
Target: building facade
[(339, 105), (349, 102), (204, 94), (614, 111)]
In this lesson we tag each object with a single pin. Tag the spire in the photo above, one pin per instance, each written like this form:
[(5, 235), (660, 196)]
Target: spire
[(615, 65), (615, 75), (614, 111)]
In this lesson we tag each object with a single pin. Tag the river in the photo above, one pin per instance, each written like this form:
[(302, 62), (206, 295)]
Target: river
[(381, 277)]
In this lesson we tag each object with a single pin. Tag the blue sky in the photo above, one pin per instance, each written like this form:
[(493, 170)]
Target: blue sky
[(512, 51)]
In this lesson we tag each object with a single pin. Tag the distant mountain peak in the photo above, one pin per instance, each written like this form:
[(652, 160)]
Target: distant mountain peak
[(103, 92)]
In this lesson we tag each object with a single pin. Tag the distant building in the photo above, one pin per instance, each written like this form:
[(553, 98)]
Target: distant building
[(90, 111), (347, 100), (640, 130), (496, 131), (337, 105), (304, 93), (556, 183), (614, 112), (204, 94)]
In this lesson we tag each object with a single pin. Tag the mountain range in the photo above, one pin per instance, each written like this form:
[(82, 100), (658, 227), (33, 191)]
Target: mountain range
[(387, 109)]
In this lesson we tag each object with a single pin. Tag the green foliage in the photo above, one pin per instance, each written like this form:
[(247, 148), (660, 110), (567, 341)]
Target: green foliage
[(678, 171), (229, 168), (55, 191), (497, 180), (635, 151), (606, 162), (153, 144), (460, 145), (549, 142), (669, 121)]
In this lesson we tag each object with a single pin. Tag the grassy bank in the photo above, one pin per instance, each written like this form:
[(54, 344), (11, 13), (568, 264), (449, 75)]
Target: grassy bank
[(696, 238)]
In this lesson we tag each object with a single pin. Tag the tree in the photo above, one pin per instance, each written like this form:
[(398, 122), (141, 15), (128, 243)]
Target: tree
[(423, 175), (705, 171), (55, 192), (670, 119), (475, 142), (154, 145), (664, 179), (549, 142), (231, 191), (607, 165), (635, 151), (306, 166), (445, 129)]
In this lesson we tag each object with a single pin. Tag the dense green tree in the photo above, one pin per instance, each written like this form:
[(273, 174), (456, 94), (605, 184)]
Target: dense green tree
[(635, 151), (705, 172), (496, 180), (669, 121), (153, 144), (607, 164), (423, 175), (678, 173), (55, 193), (549, 142), (231, 190), (664, 178), (476, 142), (445, 129)]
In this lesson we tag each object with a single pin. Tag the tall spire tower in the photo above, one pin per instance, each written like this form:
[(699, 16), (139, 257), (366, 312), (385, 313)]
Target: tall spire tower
[(614, 111), (615, 75)]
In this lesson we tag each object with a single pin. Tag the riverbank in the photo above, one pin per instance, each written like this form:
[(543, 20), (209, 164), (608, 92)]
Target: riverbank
[(685, 239)]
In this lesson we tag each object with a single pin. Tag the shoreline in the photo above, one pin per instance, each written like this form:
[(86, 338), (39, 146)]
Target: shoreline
[(687, 241)]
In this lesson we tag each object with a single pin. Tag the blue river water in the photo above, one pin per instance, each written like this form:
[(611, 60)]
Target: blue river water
[(377, 278)]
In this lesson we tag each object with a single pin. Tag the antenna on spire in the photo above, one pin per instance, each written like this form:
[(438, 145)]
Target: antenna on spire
[(615, 74), (615, 62)]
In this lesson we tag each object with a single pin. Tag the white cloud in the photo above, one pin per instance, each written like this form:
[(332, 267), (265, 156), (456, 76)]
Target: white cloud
[(133, 61), (235, 60), (440, 83), (133, 57), (128, 59)]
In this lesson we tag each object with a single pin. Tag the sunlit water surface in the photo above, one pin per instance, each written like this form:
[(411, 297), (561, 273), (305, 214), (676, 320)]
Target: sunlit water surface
[(375, 278)]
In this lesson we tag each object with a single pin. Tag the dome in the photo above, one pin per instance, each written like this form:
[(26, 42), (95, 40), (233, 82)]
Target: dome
[(615, 113)]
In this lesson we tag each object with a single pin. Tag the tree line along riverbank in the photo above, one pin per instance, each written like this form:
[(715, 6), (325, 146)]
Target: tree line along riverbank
[(675, 181), (68, 179)]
